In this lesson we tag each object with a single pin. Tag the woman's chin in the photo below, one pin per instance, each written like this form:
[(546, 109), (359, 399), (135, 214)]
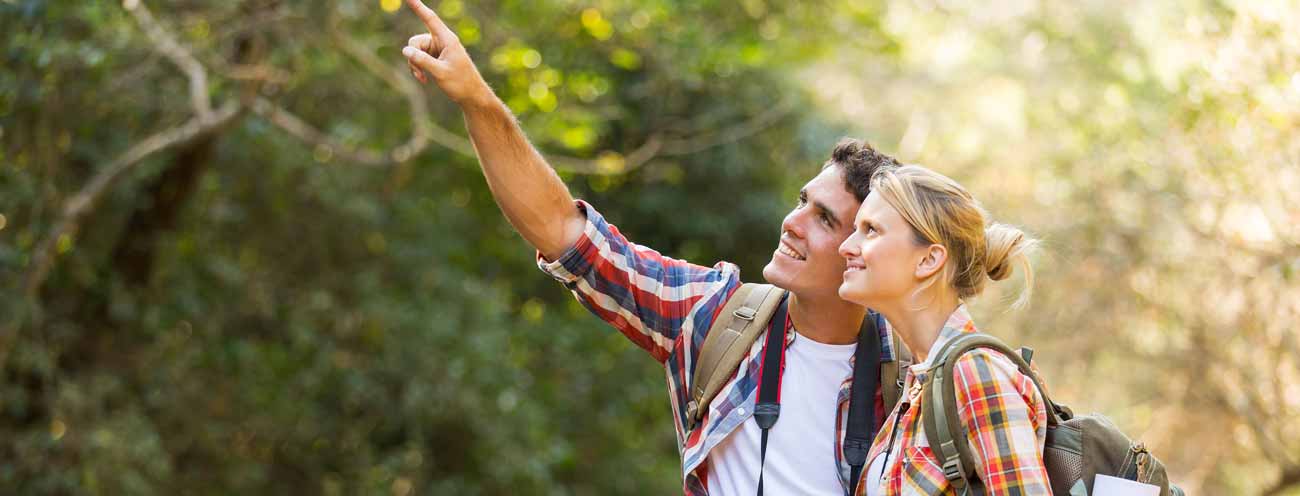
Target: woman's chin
[(852, 293)]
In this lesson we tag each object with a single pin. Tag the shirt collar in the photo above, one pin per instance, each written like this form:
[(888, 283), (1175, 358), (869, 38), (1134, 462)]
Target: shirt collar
[(957, 324)]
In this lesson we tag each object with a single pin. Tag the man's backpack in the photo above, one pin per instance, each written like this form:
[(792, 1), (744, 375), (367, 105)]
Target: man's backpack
[(741, 320), (1078, 446), (738, 324)]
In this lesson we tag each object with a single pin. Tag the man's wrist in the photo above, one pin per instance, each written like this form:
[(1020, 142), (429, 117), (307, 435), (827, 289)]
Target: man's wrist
[(483, 100)]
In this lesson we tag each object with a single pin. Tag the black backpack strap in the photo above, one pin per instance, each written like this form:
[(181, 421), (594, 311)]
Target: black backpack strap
[(862, 400), (768, 408)]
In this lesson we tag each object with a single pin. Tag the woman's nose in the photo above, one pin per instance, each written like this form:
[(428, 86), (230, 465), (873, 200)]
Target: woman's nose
[(848, 249)]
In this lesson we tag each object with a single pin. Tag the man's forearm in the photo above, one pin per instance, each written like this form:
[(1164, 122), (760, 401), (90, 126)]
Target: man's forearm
[(531, 195), (529, 192)]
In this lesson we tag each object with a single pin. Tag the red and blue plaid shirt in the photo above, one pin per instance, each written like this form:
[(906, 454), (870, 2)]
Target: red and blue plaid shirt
[(666, 306)]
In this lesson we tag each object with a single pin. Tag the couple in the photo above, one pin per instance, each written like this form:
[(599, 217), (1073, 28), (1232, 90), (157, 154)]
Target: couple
[(904, 241)]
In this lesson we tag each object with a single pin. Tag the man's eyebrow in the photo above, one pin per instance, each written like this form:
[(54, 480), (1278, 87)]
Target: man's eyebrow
[(823, 209)]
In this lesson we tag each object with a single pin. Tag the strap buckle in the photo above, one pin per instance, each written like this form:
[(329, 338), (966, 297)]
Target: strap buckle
[(745, 313), (765, 414), (855, 451), (692, 410), (953, 471)]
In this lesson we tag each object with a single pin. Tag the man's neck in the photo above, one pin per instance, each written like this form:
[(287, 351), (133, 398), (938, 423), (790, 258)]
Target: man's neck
[(826, 319)]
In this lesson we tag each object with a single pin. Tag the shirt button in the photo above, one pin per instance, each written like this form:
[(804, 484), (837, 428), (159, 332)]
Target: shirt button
[(740, 410)]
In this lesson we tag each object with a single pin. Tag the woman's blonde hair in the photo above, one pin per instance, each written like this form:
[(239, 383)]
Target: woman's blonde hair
[(941, 211)]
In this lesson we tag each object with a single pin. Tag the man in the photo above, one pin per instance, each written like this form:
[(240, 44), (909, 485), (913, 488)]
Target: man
[(667, 306)]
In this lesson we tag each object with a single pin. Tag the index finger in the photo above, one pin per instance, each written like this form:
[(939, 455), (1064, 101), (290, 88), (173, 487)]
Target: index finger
[(430, 18)]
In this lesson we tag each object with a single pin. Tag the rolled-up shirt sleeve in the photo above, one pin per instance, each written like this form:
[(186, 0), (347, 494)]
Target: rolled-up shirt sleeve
[(646, 296)]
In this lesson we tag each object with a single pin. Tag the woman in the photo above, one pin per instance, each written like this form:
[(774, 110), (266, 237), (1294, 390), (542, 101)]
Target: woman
[(922, 247)]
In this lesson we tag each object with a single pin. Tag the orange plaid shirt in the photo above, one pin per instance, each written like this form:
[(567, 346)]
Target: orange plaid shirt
[(1005, 419)]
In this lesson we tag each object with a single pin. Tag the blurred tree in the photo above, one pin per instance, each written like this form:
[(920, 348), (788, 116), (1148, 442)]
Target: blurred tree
[(1155, 149), (243, 252)]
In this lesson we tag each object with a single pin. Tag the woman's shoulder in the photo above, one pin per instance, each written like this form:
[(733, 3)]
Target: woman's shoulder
[(983, 371)]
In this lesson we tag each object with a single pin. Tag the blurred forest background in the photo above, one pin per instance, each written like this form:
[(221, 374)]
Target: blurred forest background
[(242, 252)]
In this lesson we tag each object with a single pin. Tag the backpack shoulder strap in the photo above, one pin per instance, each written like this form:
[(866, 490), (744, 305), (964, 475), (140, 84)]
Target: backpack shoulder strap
[(891, 373), (943, 426), (733, 332), (861, 428)]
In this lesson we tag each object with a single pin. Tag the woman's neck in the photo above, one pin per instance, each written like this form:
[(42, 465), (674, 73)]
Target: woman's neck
[(919, 329)]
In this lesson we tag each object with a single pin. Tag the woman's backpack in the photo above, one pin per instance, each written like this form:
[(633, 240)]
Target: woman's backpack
[(1078, 448)]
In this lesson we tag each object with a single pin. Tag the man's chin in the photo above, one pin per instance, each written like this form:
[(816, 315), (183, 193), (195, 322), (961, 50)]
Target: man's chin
[(775, 276)]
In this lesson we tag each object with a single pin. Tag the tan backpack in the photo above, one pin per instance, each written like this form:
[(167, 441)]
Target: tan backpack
[(741, 320)]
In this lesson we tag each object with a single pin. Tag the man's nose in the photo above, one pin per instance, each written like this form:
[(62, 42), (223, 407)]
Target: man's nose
[(793, 223)]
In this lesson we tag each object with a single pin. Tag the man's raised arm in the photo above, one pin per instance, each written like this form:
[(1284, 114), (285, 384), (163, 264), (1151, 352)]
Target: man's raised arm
[(532, 196)]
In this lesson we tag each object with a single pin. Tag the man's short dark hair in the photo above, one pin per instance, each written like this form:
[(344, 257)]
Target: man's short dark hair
[(858, 161)]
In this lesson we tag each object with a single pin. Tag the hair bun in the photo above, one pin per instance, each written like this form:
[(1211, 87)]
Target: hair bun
[(1005, 245)]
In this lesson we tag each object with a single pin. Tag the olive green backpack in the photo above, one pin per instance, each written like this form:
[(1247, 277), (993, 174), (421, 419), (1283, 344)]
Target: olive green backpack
[(1078, 446)]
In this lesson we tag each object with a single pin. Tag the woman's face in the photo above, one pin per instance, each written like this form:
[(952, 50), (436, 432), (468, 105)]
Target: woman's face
[(883, 258)]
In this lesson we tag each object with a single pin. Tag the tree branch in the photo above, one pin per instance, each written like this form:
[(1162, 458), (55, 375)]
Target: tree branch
[(204, 121), (170, 48), (656, 146), (298, 128), (745, 129), (425, 129), (76, 208), (79, 205)]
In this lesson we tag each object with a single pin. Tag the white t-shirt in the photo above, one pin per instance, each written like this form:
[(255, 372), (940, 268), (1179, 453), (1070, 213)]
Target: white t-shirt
[(875, 473), (801, 446)]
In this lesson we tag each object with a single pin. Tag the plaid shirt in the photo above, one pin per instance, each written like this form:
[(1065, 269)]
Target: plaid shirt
[(666, 307), (1003, 413)]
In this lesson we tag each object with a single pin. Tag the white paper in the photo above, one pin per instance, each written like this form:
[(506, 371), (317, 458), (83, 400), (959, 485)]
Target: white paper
[(1105, 485)]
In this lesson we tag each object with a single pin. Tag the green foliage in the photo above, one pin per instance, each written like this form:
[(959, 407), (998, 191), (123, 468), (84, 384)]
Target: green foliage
[(247, 313), (254, 312)]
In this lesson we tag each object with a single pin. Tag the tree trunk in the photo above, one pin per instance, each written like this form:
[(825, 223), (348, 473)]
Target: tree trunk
[(156, 213)]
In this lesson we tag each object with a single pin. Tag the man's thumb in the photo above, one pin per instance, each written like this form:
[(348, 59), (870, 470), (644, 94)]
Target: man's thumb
[(423, 60)]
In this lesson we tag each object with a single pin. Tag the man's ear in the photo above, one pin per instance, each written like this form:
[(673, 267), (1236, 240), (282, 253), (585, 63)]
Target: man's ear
[(935, 256)]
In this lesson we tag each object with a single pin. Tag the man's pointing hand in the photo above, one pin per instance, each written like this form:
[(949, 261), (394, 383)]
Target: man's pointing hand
[(440, 56)]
